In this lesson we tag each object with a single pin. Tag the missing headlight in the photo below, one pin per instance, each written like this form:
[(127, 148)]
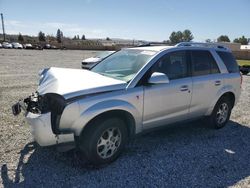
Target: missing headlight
[(40, 104)]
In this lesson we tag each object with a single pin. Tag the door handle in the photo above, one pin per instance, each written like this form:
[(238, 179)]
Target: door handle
[(184, 88), (217, 82)]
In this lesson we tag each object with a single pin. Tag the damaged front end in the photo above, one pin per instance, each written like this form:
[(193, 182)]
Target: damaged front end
[(34, 104), (43, 113), (42, 104)]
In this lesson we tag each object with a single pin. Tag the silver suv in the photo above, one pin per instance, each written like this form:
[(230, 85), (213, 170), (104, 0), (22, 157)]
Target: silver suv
[(131, 91)]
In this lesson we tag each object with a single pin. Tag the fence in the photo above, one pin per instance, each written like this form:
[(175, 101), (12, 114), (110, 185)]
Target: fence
[(242, 54)]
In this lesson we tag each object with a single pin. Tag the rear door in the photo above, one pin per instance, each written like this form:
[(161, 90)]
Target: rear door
[(207, 81)]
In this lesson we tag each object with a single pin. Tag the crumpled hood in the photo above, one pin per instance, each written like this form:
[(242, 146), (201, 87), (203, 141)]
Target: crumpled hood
[(75, 82)]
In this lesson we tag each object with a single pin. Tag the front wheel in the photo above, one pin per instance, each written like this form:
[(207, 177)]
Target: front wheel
[(221, 113), (104, 140)]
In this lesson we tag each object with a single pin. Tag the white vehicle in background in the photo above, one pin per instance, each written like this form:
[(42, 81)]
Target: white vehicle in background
[(17, 45), (28, 46), (7, 45), (1, 45), (92, 61)]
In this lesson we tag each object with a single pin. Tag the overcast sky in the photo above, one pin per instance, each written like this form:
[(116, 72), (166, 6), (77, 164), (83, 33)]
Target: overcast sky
[(131, 19)]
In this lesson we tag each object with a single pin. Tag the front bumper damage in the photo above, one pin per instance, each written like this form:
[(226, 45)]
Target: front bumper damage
[(41, 130), (38, 116)]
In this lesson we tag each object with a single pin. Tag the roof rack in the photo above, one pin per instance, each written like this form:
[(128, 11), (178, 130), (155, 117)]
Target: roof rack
[(201, 44), (153, 44)]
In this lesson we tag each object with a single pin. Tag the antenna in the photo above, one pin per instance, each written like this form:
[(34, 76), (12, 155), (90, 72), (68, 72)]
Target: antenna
[(3, 27)]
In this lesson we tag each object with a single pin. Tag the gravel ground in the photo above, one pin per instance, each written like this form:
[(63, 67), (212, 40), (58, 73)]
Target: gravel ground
[(187, 155)]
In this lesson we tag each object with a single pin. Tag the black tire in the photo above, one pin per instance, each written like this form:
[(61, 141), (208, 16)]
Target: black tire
[(88, 140), (213, 119)]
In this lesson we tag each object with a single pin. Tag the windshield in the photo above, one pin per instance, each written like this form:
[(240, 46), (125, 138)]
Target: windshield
[(123, 65), (102, 55)]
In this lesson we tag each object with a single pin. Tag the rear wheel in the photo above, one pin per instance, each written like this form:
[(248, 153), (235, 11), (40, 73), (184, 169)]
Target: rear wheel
[(104, 140), (221, 113)]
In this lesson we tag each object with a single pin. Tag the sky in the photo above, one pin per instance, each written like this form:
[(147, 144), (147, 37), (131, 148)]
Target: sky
[(152, 20)]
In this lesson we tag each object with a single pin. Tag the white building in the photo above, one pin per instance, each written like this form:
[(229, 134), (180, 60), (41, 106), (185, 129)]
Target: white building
[(245, 47)]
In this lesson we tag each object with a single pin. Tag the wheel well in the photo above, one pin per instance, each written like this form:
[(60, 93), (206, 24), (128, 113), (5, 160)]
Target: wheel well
[(230, 96), (124, 115)]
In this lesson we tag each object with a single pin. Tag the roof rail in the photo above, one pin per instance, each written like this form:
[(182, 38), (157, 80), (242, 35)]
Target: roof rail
[(153, 44), (201, 44)]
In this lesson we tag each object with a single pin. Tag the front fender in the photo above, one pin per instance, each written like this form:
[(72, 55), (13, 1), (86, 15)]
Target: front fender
[(105, 106)]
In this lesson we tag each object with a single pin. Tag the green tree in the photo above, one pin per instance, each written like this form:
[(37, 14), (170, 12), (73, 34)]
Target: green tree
[(59, 36), (223, 38), (108, 39), (41, 36), (179, 36), (83, 37), (76, 37), (243, 40), (173, 38), (187, 35), (20, 37)]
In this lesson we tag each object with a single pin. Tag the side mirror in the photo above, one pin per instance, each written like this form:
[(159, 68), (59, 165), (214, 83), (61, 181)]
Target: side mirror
[(158, 78)]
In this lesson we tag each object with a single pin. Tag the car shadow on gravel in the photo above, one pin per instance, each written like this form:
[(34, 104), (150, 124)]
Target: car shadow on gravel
[(188, 155)]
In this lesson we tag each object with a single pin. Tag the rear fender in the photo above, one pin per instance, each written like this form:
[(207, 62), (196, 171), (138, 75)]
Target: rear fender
[(221, 92)]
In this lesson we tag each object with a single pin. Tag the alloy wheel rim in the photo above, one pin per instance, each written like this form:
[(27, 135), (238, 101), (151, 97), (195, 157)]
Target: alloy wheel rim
[(109, 142), (222, 113)]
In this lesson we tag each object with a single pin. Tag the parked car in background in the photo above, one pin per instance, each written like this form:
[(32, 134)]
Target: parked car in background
[(47, 46), (7, 45), (245, 69), (131, 91), (54, 47), (17, 45), (92, 61), (38, 47), (1, 45), (28, 46)]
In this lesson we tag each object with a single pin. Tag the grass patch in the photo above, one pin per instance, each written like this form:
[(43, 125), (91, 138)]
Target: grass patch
[(243, 62)]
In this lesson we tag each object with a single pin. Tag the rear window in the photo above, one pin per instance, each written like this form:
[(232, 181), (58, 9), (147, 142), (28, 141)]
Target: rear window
[(229, 61)]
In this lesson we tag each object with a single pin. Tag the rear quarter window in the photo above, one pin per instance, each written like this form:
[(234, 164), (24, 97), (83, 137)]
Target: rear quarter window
[(229, 61)]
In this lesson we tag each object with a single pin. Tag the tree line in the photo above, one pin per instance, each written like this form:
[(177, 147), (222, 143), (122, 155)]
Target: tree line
[(243, 40), (187, 36), (59, 37), (174, 38)]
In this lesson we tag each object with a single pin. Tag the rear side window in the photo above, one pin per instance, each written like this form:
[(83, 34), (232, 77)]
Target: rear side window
[(229, 61), (203, 63)]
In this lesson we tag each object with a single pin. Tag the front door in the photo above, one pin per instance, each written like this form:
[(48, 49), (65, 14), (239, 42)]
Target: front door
[(168, 103)]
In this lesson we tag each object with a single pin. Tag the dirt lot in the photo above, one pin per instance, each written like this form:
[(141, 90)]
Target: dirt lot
[(188, 155)]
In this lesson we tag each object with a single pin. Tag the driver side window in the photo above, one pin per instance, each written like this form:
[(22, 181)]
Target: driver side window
[(174, 65)]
